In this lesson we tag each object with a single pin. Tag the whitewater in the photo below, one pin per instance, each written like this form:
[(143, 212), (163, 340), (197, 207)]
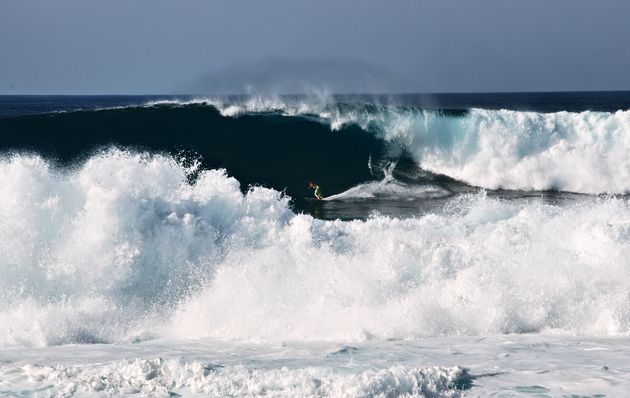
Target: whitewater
[(137, 270)]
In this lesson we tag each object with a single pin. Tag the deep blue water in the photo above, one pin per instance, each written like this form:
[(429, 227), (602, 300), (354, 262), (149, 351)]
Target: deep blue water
[(604, 101)]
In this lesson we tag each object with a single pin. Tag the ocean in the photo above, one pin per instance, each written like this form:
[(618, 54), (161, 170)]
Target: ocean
[(468, 245)]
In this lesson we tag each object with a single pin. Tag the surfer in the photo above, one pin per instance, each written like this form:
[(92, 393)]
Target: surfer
[(318, 191)]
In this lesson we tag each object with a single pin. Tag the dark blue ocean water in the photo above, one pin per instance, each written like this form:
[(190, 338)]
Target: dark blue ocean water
[(604, 101)]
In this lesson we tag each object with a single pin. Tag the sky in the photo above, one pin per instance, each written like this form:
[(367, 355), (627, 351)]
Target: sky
[(316, 46)]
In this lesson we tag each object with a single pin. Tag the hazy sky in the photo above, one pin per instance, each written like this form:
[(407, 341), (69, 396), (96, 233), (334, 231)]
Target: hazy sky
[(210, 46)]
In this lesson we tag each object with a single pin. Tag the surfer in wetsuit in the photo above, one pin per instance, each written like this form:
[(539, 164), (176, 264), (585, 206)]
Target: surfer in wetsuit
[(318, 191)]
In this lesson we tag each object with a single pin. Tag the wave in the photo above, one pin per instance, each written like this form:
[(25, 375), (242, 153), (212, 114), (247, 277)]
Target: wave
[(284, 142), (126, 246), (586, 152), (582, 152)]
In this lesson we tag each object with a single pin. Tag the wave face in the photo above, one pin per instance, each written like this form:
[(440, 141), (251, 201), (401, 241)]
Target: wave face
[(126, 246)]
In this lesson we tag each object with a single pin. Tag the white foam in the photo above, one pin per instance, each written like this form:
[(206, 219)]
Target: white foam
[(492, 267), (585, 152), (165, 376), (123, 248), (513, 365)]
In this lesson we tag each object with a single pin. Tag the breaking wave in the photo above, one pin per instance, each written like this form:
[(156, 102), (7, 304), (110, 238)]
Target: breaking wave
[(282, 143), (585, 152)]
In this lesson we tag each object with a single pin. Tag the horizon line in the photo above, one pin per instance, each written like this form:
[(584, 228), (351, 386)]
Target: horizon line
[(313, 95)]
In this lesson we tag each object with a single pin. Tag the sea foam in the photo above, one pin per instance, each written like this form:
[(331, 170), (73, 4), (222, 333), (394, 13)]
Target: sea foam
[(123, 247), (161, 377)]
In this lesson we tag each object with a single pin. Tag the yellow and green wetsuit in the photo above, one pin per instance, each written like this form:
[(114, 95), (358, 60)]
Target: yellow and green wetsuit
[(318, 192)]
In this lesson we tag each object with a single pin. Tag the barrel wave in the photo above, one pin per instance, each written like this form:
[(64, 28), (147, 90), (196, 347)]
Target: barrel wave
[(584, 152), (282, 144)]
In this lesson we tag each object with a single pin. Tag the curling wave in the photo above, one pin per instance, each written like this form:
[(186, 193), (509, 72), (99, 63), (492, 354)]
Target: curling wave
[(281, 143)]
